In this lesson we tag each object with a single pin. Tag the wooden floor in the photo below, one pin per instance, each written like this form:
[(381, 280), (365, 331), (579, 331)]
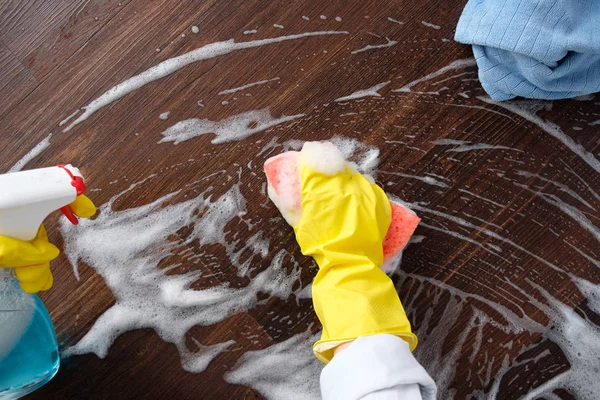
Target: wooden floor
[(508, 194)]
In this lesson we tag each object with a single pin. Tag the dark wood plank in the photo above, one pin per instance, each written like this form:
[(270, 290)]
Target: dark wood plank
[(502, 223), (15, 82), (45, 34)]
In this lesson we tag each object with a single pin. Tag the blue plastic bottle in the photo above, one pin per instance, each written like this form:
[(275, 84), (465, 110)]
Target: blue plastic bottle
[(28, 348)]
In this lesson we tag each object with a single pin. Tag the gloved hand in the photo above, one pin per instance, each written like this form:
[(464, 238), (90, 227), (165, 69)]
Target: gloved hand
[(344, 220), (31, 259)]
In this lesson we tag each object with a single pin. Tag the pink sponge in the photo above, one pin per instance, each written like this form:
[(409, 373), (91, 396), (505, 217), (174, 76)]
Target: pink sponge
[(283, 181)]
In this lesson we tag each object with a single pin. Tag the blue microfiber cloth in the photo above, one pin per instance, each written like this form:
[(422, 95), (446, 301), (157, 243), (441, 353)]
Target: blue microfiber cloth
[(543, 49)]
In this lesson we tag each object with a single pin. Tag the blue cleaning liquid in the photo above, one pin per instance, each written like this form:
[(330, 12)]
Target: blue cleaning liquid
[(34, 359)]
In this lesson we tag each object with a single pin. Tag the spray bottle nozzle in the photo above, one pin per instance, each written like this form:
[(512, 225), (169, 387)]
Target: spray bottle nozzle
[(79, 185), (28, 197), (76, 181)]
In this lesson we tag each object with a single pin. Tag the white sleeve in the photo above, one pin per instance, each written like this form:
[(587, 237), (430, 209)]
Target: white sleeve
[(379, 367)]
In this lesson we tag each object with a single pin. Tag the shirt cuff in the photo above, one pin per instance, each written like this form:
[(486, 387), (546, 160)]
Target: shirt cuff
[(379, 363)]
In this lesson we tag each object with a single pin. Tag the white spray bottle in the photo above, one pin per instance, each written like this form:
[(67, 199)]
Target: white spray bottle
[(28, 348)]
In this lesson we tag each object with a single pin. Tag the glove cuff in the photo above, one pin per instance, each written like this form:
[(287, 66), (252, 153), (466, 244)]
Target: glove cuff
[(357, 300), (324, 348)]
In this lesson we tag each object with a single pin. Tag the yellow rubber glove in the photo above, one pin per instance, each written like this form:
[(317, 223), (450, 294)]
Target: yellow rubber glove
[(31, 259), (343, 223)]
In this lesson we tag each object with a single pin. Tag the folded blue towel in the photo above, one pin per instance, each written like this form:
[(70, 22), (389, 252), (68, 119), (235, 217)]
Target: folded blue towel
[(543, 49)]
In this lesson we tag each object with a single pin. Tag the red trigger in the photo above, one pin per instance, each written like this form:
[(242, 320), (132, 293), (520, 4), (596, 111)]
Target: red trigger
[(69, 214), (79, 185)]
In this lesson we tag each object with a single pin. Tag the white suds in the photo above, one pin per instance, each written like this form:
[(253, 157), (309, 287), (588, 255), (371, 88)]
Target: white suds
[(323, 17), (278, 26), (286, 370), (458, 64), (430, 25), (323, 157), (465, 145), (304, 17), (482, 198), (370, 92), (250, 32), (236, 127), (195, 29), (549, 127), (31, 154), (389, 43), (562, 187), (427, 179), (126, 248), (249, 85), (395, 21), (363, 157), (174, 64), (578, 338), (165, 115), (64, 121), (338, 19), (568, 209)]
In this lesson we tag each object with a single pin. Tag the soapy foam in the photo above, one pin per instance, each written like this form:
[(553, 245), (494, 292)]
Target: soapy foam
[(370, 92), (482, 198), (323, 157), (427, 179), (549, 127), (233, 128), (440, 360), (286, 370), (465, 145), (458, 64), (579, 340), (368, 47), (174, 64), (568, 209), (487, 232), (562, 187), (64, 121), (430, 25), (164, 116), (587, 256), (364, 157), (31, 154), (580, 179), (249, 85), (147, 297), (395, 21), (476, 107)]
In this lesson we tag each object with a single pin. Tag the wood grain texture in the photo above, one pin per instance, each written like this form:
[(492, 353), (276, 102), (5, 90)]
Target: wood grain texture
[(493, 229), (16, 82)]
